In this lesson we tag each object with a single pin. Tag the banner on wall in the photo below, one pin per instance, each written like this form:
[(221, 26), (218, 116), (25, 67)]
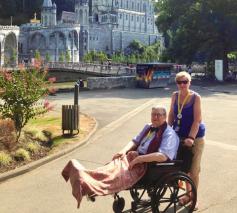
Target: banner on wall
[(153, 75)]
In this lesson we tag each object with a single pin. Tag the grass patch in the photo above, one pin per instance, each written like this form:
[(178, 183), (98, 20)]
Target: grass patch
[(58, 141), (32, 147), (64, 84), (45, 120), (5, 159), (48, 130), (22, 155), (41, 137)]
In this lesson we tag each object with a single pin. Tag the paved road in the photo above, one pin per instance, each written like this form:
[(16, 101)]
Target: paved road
[(121, 114)]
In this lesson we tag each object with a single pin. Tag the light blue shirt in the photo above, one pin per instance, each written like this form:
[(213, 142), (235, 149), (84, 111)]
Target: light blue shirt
[(169, 143)]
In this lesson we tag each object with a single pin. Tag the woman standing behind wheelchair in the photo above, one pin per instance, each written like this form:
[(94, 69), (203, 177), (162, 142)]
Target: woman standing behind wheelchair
[(186, 119)]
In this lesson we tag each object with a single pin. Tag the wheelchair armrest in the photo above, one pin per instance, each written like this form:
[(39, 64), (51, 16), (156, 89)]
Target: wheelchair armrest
[(169, 163)]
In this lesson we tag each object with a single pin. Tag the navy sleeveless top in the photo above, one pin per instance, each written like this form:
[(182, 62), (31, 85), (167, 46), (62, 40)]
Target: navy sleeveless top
[(187, 119)]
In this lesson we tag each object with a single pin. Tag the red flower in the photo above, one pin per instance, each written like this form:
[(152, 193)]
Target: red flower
[(52, 79), (48, 106), (52, 90), (8, 76), (21, 67)]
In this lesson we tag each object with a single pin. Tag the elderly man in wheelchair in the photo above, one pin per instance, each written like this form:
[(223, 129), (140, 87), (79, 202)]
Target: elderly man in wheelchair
[(161, 185)]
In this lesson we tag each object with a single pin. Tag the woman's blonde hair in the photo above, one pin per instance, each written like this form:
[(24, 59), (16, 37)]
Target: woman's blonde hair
[(183, 74)]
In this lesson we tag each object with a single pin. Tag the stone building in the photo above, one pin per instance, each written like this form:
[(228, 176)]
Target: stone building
[(101, 25), (8, 44)]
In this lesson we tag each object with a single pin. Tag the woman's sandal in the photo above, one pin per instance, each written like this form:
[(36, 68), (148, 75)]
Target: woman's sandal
[(185, 199), (196, 207)]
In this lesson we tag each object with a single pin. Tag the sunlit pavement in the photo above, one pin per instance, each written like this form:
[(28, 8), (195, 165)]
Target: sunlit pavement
[(121, 113)]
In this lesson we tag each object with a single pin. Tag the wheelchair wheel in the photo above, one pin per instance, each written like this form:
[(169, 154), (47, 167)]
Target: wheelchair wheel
[(118, 205), (166, 197), (137, 194), (141, 199)]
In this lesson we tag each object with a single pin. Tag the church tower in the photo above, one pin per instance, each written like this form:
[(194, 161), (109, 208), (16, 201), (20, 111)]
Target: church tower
[(82, 12), (82, 18), (49, 14)]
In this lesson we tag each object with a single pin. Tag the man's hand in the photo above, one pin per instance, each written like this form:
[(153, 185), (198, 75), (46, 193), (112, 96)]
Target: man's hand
[(130, 146), (118, 155), (135, 161)]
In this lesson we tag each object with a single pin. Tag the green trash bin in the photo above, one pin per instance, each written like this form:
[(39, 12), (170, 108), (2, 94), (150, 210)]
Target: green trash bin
[(70, 119)]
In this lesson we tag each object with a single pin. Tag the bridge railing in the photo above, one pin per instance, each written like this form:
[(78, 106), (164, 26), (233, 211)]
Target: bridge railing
[(108, 69), (111, 69)]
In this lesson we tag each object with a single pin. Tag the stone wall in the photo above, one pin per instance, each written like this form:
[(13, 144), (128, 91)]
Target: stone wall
[(63, 76), (122, 39), (111, 82)]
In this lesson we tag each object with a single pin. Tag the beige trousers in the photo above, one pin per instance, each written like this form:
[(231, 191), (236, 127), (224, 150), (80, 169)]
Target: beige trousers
[(197, 155)]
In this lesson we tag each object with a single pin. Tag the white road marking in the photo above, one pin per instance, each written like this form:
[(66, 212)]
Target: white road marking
[(115, 124), (222, 145)]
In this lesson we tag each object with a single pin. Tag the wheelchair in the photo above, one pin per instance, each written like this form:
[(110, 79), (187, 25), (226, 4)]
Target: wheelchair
[(160, 190)]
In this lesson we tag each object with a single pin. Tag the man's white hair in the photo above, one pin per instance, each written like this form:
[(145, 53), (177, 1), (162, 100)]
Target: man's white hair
[(162, 108)]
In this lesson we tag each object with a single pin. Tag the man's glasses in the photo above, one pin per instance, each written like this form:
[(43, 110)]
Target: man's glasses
[(182, 82), (157, 114)]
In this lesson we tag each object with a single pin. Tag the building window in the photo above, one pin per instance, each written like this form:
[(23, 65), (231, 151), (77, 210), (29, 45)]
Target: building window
[(144, 7), (120, 16), (46, 20), (132, 17), (126, 16), (138, 18), (127, 4), (138, 7), (132, 5)]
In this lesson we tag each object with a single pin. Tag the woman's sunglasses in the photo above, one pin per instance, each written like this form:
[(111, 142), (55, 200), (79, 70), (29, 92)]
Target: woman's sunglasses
[(182, 82)]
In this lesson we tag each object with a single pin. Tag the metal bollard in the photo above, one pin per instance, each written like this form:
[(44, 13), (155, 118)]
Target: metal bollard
[(76, 92)]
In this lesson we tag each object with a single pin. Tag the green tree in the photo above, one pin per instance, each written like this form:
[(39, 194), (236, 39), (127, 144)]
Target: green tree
[(135, 47), (68, 57), (61, 57), (88, 57), (37, 55), (13, 58), (197, 29), (94, 56), (101, 57), (47, 57), (20, 95)]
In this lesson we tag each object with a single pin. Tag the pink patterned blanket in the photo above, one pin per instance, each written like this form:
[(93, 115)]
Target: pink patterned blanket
[(109, 179)]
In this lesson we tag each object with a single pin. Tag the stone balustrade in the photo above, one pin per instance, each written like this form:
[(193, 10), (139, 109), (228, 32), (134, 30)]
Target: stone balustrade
[(110, 69), (6, 27)]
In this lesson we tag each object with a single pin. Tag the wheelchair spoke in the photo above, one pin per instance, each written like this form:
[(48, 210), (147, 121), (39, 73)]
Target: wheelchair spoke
[(167, 207), (174, 207), (142, 194)]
